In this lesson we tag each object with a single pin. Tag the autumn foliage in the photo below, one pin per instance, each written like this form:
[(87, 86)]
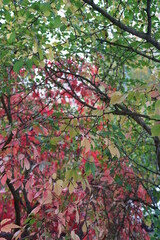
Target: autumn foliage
[(58, 179)]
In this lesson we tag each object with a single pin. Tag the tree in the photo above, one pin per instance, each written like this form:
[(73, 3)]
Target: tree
[(80, 132)]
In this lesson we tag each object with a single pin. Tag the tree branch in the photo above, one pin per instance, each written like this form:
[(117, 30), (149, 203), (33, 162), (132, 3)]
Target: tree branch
[(16, 201), (149, 17), (140, 121), (130, 48), (15, 193), (122, 26)]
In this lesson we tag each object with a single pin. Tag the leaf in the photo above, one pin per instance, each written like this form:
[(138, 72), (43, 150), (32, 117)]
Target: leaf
[(117, 97), (6, 2), (4, 221), (4, 179), (77, 216), (110, 116), (8, 227), (40, 53), (30, 196), (74, 236), (107, 177), (11, 37), (93, 168), (57, 22), (35, 47), (36, 209), (17, 184), (26, 164), (47, 197), (55, 140), (29, 64), (72, 133), (58, 187), (87, 167), (97, 112), (71, 188), (84, 228), (156, 130), (86, 143), (54, 176), (114, 150), (18, 65), (157, 108)]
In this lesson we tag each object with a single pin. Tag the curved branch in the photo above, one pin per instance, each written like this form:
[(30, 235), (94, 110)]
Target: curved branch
[(130, 48), (122, 26)]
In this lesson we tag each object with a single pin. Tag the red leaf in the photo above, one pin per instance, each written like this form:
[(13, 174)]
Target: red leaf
[(4, 179)]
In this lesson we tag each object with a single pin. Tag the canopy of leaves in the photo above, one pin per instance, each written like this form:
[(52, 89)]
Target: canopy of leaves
[(79, 119)]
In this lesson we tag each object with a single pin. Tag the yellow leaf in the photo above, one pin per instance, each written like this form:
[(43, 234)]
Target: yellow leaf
[(117, 97), (114, 151), (42, 64), (54, 175), (97, 112), (86, 143), (84, 228), (123, 120), (58, 187), (8, 35), (110, 116), (71, 188), (65, 184), (55, 140), (60, 182), (62, 127), (35, 47), (69, 174), (75, 184), (83, 185), (72, 133), (75, 122), (107, 142)]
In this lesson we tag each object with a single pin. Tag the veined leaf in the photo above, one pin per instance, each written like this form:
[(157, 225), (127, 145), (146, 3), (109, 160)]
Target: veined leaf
[(86, 143), (117, 97), (156, 130), (58, 187), (18, 65)]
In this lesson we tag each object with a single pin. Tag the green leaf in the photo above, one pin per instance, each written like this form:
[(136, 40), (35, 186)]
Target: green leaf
[(93, 168), (156, 130), (129, 187), (55, 140), (157, 108), (57, 22), (40, 53), (6, 2), (18, 65), (46, 9), (118, 180), (29, 64), (87, 167), (11, 37)]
